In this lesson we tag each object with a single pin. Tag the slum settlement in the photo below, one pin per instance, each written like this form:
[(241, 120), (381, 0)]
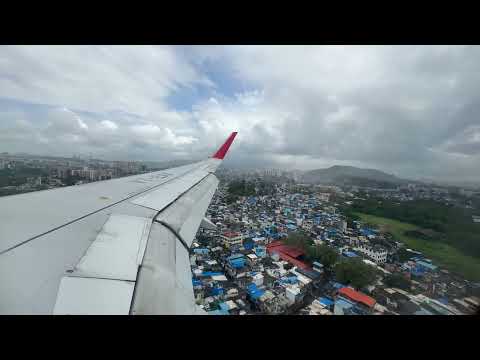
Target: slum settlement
[(244, 263)]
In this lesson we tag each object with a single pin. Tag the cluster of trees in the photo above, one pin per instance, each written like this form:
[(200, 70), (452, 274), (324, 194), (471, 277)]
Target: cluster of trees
[(424, 213), (239, 188), (355, 272), (454, 224), (19, 175), (72, 180), (397, 281), (347, 271), (321, 253), (298, 239)]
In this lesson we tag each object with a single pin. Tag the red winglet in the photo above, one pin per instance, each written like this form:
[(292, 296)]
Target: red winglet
[(220, 154)]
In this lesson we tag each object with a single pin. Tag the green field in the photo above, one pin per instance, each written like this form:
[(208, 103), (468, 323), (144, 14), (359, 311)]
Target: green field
[(442, 254)]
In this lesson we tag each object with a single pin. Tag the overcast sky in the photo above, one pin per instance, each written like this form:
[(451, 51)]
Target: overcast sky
[(408, 110)]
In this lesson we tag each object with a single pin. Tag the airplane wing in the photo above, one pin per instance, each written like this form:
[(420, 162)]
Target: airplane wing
[(119, 246)]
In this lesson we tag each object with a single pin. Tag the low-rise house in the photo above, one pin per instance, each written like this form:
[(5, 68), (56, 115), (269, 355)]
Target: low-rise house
[(358, 297)]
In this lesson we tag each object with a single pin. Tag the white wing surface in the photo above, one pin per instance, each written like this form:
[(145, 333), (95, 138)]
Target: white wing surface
[(113, 247)]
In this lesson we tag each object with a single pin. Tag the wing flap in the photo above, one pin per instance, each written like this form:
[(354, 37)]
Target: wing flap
[(87, 296), (118, 249), (170, 283), (186, 214)]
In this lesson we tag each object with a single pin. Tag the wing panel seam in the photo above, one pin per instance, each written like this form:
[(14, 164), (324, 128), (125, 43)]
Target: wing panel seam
[(92, 213)]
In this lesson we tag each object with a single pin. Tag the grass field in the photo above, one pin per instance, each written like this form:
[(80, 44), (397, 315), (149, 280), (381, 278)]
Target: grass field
[(442, 254)]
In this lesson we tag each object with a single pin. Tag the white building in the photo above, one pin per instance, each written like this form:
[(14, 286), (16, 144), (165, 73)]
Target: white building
[(323, 196), (258, 279), (292, 293), (377, 253), (252, 259)]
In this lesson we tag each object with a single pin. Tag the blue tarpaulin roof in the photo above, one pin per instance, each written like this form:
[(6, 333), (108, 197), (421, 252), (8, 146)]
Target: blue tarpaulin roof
[(201, 251), (237, 260), (217, 291), (427, 265), (218, 312), (248, 246), (325, 301), (255, 292), (443, 301), (418, 272), (223, 306), (337, 285), (367, 232), (235, 256), (289, 280), (210, 273), (344, 303)]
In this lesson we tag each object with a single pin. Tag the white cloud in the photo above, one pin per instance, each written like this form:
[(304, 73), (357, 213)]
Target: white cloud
[(406, 109), (109, 125), (95, 78)]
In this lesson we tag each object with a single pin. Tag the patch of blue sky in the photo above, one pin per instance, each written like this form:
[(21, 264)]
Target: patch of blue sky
[(221, 74)]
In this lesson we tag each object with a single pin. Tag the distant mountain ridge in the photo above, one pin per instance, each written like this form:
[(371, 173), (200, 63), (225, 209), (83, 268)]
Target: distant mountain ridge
[(350, 175)]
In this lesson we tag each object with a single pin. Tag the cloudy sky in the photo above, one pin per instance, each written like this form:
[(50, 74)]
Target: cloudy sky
[(409, 110)]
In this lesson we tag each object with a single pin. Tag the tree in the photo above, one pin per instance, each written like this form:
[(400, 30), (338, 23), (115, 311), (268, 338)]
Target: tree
[(241, 188), (397, 281), (231, 199), (298, 240), (354, 272), (71, 180), (322, 253)]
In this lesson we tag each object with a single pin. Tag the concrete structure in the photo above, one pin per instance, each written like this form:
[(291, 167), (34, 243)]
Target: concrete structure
[(377, 253), (292, 293), (258, 279), (231, 238)]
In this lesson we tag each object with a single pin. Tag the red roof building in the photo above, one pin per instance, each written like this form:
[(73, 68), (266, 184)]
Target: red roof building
[(357, 296), (288, 253)]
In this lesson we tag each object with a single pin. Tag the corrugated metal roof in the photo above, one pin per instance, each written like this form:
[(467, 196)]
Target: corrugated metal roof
[(357, 296)]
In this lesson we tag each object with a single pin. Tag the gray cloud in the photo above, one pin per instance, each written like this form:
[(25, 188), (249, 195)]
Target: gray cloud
[(410, 110)]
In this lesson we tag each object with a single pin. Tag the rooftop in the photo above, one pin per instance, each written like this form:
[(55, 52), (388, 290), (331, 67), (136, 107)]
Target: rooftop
[(357, 296)]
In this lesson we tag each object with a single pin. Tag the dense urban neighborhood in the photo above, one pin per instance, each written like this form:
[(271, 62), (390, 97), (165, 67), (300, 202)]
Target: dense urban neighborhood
[(274, 246)]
